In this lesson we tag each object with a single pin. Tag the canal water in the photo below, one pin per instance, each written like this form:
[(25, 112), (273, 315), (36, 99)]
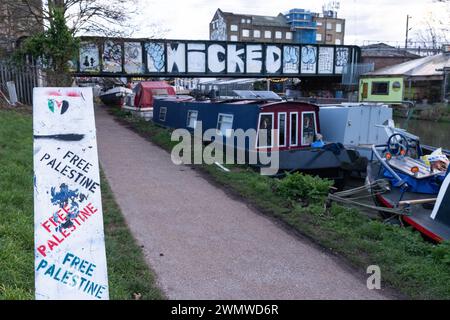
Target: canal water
[(436, 134)]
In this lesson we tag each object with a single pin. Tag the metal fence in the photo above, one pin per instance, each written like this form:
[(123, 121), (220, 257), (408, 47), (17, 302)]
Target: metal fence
[(25, 79), (352, 72)]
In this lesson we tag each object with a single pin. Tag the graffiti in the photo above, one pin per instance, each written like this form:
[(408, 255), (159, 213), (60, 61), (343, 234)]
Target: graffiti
[(89, 57), (220, 29), (63, 105), (155, 57), (309, 58), (326, 60), (341, 59), (69, 200), (197, 58), (133, 58), (291, 60), (112, 57)]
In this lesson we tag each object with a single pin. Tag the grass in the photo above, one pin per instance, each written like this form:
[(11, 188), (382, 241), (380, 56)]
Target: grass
[(414, 267), (129, 275)]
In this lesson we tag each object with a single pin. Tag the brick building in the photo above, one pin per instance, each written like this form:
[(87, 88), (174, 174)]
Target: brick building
[(295, 26), (17, 22), (330, 28), (383, 55)]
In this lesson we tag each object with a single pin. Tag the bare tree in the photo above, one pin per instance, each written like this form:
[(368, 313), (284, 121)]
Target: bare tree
[(87, 17)]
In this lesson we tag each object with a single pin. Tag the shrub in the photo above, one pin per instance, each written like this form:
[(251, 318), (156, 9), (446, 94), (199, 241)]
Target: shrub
[(306, 188)]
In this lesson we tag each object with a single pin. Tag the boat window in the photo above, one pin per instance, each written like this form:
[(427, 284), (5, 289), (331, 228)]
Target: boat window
[(282, 129), (192, 119), (308, 128), (225, 124), (265, 128), (380, 88), (294, 129), (162, 114)]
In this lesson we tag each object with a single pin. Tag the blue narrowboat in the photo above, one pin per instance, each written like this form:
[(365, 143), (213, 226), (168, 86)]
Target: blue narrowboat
[(293, 129)]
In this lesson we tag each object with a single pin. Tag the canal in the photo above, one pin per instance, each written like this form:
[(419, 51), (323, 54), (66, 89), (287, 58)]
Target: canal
[(436, 134)]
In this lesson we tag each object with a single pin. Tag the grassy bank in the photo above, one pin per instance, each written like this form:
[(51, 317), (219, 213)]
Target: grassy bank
[(128, 273), (416, 268)]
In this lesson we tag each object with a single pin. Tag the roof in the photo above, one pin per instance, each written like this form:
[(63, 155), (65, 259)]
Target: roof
[(424, 67), (154, 84), (384, 50), (270, 21)]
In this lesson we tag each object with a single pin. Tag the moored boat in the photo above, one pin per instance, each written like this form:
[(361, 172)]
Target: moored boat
[(415, 181), (115, 97), (292, 129)]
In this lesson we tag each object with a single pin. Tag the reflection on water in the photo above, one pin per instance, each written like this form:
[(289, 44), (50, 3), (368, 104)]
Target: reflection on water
[(432, 133)]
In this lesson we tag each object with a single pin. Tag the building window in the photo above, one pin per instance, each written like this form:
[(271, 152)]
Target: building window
[(278, 35), (380, 88), (162, 114), (233, 38), (282, 129), (249, 21), (308, 128), (318, 37), (267, 34), (319, 24), (294, 129), (234, 27), (337, 41), (265, 129), (243, 21), (329, 26), (246, 33), (338, 27), (289, 35), (192, 119), (329, 38), (225, 124), (256, 34)]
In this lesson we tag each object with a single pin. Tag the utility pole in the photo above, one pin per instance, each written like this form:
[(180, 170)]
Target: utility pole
[(407, 30)]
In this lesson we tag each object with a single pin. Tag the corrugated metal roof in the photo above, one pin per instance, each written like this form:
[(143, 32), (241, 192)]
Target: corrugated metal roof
[(424, 67)]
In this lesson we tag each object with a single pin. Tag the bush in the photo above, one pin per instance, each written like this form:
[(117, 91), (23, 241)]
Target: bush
[(305, 188)]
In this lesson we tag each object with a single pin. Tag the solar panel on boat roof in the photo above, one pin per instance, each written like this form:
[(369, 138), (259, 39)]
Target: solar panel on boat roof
[(264, 95)]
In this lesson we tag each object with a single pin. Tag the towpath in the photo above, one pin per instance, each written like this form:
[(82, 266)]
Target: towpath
[(202, 243)]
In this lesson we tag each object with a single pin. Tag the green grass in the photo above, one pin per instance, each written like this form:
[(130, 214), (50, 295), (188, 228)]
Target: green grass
[(127, 270), (416, 268)]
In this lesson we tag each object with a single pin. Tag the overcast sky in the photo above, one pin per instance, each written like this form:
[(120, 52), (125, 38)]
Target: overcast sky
[(375, 20)]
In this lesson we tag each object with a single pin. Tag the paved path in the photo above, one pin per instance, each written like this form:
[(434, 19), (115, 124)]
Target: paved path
[(203, 244)]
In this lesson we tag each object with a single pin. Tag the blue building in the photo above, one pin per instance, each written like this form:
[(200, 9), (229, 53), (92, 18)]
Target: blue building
[(303, 25)]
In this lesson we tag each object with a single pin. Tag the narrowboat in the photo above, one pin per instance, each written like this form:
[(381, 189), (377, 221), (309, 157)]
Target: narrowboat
[(115, 97), (292, 129), (414, 181)]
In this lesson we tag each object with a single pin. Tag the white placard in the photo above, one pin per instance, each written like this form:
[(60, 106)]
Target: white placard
[(70, 258)]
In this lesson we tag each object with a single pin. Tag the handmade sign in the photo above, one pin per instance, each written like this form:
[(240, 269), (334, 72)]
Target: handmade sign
[(70, 259)]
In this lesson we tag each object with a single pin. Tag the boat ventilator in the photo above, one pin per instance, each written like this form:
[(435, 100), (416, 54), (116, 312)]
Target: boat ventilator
[(353, 197)]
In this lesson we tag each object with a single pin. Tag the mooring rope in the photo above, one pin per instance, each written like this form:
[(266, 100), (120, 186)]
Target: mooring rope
[(381, 185)]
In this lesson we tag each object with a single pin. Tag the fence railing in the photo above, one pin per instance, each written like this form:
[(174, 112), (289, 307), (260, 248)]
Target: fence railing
[(25, 79)]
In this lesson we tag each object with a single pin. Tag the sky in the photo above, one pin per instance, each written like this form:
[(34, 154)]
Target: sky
[(366, 20)]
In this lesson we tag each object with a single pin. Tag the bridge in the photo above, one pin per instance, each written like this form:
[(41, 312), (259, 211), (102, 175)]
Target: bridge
[(118, 57)]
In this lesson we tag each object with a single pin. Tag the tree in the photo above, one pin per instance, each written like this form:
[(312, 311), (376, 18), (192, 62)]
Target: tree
[(54, 47), (94, 17)]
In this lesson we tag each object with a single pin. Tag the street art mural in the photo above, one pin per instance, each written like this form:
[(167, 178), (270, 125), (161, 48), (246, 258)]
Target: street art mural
[(70, 259), (309, 59), (326, 59), (211, 58), (342, 59), (291, 60), (89, 57), (155, 56), (112, 57), (220, 29), (133, 63)]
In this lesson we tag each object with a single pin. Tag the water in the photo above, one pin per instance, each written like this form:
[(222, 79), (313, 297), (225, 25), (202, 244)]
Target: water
[(436, 134)]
